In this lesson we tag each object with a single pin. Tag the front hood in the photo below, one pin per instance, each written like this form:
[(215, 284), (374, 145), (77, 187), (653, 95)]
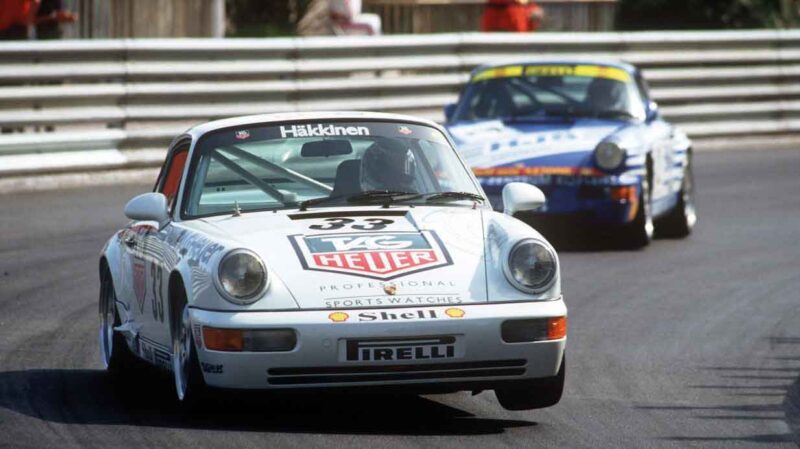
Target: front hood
[(494, 143), (368, 256)]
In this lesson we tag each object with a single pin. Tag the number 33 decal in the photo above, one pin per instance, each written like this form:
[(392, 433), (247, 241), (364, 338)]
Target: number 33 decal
[(367, 224)]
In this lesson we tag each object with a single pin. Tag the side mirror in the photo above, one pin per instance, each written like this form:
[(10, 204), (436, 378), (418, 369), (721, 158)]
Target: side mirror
[(521, 197), (151, 206), (449, 110), (652, 111)]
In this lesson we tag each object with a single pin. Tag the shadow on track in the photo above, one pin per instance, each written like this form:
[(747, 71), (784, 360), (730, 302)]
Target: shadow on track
[(758, 383), (90, 397)]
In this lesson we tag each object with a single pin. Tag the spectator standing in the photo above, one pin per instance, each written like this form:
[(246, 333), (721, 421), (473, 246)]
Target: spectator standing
[(347, 18), (49, 17), (518, 16), (16, 17), (338, 17)]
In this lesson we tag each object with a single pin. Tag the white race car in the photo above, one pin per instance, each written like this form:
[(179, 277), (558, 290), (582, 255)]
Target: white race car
[(332, 250)]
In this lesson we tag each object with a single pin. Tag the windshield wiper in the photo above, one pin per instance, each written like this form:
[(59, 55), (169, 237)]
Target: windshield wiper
[(453, 196), (303, 205), (385, 197)]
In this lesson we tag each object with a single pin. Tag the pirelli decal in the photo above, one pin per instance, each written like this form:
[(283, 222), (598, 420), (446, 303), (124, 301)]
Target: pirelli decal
[(384, 256), (590, 71)]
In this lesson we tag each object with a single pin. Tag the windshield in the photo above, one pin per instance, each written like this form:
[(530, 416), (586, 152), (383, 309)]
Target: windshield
[(528, 92), (324, 164)]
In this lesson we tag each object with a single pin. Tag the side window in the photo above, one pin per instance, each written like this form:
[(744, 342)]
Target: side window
[(171, 177), (644, 90)]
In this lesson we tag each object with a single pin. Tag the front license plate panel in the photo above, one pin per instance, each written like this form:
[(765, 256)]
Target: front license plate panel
[(402, 349)]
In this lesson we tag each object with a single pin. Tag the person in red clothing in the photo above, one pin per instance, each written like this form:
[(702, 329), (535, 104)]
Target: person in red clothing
[(15, 18), (518, 16)]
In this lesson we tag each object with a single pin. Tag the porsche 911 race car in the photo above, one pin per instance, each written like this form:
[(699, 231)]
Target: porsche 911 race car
[(588, 135), (329, 251)]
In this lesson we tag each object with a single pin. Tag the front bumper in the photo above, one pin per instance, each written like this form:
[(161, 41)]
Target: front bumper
[(582, 203), (319, 360)]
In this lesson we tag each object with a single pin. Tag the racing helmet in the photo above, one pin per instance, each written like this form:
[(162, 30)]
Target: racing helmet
[(606, 94), (388, 164)]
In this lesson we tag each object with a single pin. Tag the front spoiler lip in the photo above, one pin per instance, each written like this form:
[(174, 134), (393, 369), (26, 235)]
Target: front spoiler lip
[(319, 341)]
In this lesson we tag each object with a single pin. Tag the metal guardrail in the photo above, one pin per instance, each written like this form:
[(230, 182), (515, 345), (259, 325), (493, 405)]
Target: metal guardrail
[(103, 104)]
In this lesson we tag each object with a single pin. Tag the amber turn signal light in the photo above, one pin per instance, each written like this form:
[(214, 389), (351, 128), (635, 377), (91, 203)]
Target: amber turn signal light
[(223, 339), (624, 193), (534, 329), (556, 328)]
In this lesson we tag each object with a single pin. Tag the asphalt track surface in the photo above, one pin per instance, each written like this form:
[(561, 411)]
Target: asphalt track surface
[(689, 343)]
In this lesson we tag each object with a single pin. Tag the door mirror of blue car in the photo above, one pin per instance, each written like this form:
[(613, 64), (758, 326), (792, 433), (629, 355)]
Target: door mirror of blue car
[(652, 111), (449, 110), (521, 197), (151, 206)]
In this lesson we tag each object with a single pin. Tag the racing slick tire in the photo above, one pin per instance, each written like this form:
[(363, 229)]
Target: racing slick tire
[(639, 232), (537, 393), (190, 387), (114, 352), (678, 223)]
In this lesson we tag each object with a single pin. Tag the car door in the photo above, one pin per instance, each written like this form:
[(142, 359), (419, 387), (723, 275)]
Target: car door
[(159, 259)]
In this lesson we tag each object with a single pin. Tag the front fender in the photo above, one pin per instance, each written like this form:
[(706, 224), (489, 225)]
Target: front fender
[(113, 258), (502, 232)]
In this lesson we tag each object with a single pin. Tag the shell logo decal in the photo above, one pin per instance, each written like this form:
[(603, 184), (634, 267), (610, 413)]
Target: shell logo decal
[(338, 317), (455, 312)]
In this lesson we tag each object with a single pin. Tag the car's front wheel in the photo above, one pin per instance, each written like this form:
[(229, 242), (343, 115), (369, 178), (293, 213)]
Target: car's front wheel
[(115, 355), (680, 220), (639, 232), (189, 383), (536, 393)]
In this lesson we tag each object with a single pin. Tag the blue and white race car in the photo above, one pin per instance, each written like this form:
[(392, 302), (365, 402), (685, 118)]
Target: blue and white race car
[(586, 133)]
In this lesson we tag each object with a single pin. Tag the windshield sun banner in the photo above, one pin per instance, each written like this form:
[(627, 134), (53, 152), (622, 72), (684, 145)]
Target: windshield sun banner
[(590, 71)]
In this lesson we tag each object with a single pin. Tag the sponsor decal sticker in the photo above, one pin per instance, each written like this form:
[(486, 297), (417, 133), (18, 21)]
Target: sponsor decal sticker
[(338, 317), (242, 134), (399, 348), (155, 353), (405, 300), (537, 171), (212, 368), (590, 71), (139, 282), (320, 130), (455, 312), (381, 256), (404, 130), (399, 315)]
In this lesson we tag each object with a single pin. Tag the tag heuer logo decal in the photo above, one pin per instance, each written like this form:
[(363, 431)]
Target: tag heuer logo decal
[(381, 256)]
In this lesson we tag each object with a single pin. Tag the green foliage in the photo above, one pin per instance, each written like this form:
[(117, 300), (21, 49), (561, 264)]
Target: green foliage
[(705, 14)]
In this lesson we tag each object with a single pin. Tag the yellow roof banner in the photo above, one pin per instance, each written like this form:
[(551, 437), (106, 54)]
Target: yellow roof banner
[(590, 71), (512, 71)]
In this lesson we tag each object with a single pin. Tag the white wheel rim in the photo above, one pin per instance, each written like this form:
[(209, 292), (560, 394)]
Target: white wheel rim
[(649, 227), (181, 352), (107, 325), (688, 200)]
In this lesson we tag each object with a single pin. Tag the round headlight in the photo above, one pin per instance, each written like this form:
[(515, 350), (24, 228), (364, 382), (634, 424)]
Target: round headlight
[(242, 276), (609, 156), (532, 266)]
